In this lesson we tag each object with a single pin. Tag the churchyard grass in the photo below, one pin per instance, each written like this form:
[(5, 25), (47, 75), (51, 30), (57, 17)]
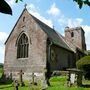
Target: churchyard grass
[(57, 83)]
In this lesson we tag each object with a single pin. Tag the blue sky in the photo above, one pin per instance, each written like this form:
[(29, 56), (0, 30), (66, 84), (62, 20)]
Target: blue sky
[(57, 13)]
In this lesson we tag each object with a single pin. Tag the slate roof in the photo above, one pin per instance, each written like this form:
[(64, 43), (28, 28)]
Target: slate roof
[(69, 44), (52, 34)]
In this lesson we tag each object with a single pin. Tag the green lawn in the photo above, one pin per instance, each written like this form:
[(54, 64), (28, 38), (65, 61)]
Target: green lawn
[(57, 83)]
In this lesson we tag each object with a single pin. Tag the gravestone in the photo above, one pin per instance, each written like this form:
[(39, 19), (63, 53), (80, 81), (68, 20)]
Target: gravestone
[(33, 79), (10, 76), (74, 77), (16, 84), (21, 78)]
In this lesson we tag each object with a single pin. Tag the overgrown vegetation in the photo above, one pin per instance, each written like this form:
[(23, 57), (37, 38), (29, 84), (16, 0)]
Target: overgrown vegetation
[(57, 83), (84, 64), (85, 61)]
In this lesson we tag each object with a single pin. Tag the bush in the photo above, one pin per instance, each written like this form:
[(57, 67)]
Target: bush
[(83, 63)]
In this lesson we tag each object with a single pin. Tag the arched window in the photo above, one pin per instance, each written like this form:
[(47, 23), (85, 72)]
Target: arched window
[(22, 46)]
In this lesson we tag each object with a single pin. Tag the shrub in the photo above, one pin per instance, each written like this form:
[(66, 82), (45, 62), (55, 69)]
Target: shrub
[(83, 63)]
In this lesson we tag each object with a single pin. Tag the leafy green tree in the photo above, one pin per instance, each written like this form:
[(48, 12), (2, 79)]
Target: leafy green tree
[(82, 2), (84, 64), (5, 8)]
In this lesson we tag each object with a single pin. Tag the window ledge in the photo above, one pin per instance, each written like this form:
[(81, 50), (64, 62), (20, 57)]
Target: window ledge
[(22, 58)]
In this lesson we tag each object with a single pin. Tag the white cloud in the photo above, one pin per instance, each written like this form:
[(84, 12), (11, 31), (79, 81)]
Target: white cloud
[(3, 37), (33, 10), (87, 35), (74, 22), (54, 10), (10, 2), (70, 22)]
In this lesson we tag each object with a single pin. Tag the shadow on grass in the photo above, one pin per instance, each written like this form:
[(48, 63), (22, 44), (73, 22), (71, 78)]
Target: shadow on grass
[(86, 85), (6, 82), (3, 87)]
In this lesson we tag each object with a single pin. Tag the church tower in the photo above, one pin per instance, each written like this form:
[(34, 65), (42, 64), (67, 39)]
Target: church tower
[(76, 36)]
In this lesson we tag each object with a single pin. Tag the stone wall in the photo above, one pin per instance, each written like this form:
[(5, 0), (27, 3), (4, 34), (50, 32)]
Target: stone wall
[(78, 38), (36, 60)]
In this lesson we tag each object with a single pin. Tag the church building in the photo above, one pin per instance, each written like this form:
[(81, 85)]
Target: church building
[(33, 46)]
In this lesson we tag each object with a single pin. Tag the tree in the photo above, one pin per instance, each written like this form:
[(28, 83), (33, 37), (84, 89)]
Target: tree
[(84, 64), (82, 2), (5, 8)]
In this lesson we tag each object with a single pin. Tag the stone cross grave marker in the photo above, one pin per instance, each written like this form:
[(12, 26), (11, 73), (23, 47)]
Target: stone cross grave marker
[(21, 78), (33, 78)]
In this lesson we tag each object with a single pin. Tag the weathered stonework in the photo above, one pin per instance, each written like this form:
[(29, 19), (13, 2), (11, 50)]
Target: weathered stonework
[(37, 48), (78, 39), (47, 49)]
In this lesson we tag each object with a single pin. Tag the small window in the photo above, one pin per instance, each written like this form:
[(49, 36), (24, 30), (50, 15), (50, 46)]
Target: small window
[(72, 34), (23, 19), (22, 46)]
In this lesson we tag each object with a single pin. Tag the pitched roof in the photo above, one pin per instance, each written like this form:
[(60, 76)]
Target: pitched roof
[(69, 44), (52, 34)]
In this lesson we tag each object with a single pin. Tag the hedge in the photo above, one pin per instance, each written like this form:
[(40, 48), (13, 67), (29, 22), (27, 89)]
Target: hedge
[(85, 61)]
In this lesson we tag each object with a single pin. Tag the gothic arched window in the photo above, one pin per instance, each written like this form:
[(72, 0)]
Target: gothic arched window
[(22, 46)]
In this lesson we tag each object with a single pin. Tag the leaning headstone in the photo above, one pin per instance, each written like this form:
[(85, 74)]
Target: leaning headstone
[(16, 85), (21, 78), (72, 78), (75, 77), (11, 75), (33, 79), (3, 78)]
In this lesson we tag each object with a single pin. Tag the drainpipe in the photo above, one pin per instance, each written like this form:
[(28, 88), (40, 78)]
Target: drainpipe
[(49, 51), (49, 58)]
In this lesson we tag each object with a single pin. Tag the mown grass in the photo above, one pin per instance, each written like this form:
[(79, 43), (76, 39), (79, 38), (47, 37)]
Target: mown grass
[(57, 83), (60, 83)]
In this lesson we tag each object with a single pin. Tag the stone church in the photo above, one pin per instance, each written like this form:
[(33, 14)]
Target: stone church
[(33, 46)]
